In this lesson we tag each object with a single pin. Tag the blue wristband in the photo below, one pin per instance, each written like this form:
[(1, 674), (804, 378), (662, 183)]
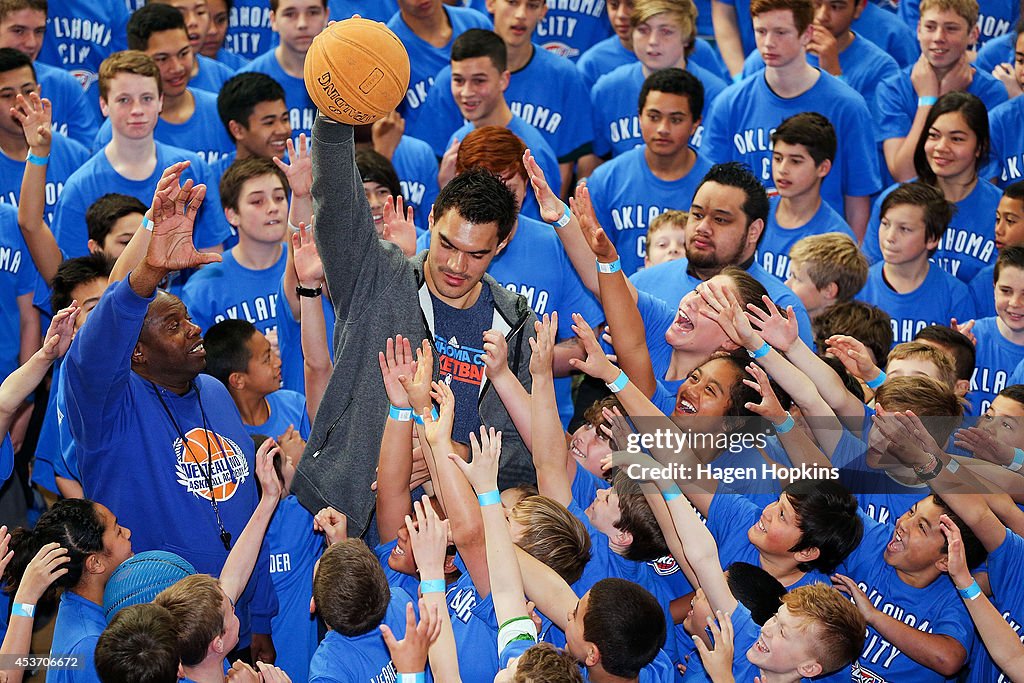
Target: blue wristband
[(619, 383), (419, 419), (738, 77), (400, 414), (147, 224), (613, 267), (489, 498), (37, 160), (20, 609), (564, 219), (786, 425), (876, 382), (971, 592), (761, 352), (420, 677), (672, 493), (926, 101), (432, 586), (1018, 460)]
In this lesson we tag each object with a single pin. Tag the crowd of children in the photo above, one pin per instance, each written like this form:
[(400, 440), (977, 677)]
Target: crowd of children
[(647, 340)]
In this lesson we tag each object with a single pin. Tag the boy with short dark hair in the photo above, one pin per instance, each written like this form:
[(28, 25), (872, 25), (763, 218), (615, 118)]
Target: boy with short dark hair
[(803, 148), (957, 346), (1009, 232), (252, 108), (870, 324), (913, 291), (205, 73), (254, 194), (112, 221), (825, 270)]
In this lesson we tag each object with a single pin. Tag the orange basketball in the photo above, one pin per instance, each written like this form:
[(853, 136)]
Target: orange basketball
[(356, 71)]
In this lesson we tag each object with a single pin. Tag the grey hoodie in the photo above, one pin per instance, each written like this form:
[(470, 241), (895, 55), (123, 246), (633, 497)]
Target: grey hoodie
[(378, 293)]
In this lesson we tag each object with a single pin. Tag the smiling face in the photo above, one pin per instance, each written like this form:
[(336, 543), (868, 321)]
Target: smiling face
[(692, 331), (951, 147), (707, 391), (777, 38), (667, 123), (133, 105), (514, 20), (377, 195), (401, 558), (459, 255), (784, 646), (266, 132), (717, 234), (917, 541), (174, 57), (24, 30), (170, 348), (478, 87), (1009, 223), (263, 372), (588, 447), (944, 37), (777, 530), (1010, 298), (696, 620), (262, 210)]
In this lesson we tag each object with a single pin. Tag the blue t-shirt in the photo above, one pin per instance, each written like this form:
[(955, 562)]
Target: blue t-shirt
[(616, 119), (627, 196), (249, 33), (377, 10), (745, 634), (776, 241), (657, 315), (610, 54), (995, 18), (863, 64), (352, 659), (203, 133), (301, 110), (287, 408), (73, 115), (1004, 124), (80, 34), (210, 76), (79, 625), (426, 60), (967, 246), (886, 31), (671, 281), (1005, 574), (417, 168), (938, 298), (935, 608), (981, 286), (585, 486), (560, 110), (458, 345), (230, 291), (570, 29), (881, 497), (995, 358), (6, 458), (896, 101), (740, 123), (289, 341), (475, 627), (540, 149), (97, 177), (17, 278), (230, 59), (66, 157), (995, 52)]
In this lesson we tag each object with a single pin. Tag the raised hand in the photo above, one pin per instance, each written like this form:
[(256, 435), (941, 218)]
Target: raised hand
[(616, 427), (410, 654), (543, 345), (47, 566), (399, 228), (265, 472), (769, 408), (983, 444), (333, 525), (495, 354), (6, 554), (418, 386), (309, 269), (725, 309), (596, 237), (482, 471), (551, 207), (844, 584), (291, 445), (955, 554), (61, 331), (395, 361), (853, 355), (386, 133), (718, 662), (36, 117), (174, 216), (299, 169), (779, 330), (439, 432), (428, 536), (596, 363), (964, 329)]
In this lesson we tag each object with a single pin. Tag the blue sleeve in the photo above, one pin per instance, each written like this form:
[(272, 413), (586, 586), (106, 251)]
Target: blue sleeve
[(729, 517), (602, 145), (891, 117), (84, 121), (715, 145), (664, 399), (868, 553), (264, 603), (870, 247), (86, 649), (69, 219), (962, 306), (861, 175), (211, 226)]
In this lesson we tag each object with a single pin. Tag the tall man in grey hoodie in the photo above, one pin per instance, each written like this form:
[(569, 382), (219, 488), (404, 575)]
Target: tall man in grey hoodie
[(443, 295)]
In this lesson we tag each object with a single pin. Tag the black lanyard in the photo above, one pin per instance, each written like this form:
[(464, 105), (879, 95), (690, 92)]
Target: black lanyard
[(225, 535)]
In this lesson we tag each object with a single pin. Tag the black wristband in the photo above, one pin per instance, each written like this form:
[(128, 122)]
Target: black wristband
[(308, 292)]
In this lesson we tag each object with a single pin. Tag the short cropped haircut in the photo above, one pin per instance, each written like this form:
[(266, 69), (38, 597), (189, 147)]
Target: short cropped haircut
[(11, 59), (736, 174), (915, 349), (128, 62), (480, 197), (77, 271), (227, 348), (495, 149), (829, 521), (683, 12), (274, 4), (350, 589), (835, 626), (109, 209), (8, 7), (956, 344), (637, 518), (1014, 392), (666, 219), (626, 624), (150, 19), (1009, 257), (552, 535), (139, 645), (803, 11), (242, 170), (481, 42), (196, 602), (544, 663), (968, 9), (759, 591), (1015, 191), (974, 114), (937, 211), (813, 131), (925, 396), (832, 257), (674, 82), (240, 94), (870, 324), (974, 549), (374, 167)]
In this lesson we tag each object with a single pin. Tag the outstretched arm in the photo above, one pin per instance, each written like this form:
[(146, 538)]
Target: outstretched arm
[(512, 393), (550, 456), (316, 356), (36, 116), (299, 172), (394, 464)]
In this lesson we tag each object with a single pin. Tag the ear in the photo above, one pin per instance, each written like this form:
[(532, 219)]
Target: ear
[(942, 564), (502, 245), (932, 244), (236, 380), (623, 539), (312, 605), (95, 247), (490, 4), (807, 555), (217, 646), (237, 130), (104, 107), (273, 21), (593, 657), (449, 564), (232, 216), (809, 669), (830, 291), (975, 32), (138, 355), (754, 232), (94, 564), (506, 77), (961, 387), (160, 100), (859, 9), (824, 167)]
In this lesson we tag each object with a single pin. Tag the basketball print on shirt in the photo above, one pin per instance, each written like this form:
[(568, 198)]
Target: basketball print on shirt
[(196, 466)]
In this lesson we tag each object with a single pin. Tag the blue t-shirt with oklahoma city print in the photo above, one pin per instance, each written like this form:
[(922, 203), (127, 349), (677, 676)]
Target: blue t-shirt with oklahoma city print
[(459, 343)]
